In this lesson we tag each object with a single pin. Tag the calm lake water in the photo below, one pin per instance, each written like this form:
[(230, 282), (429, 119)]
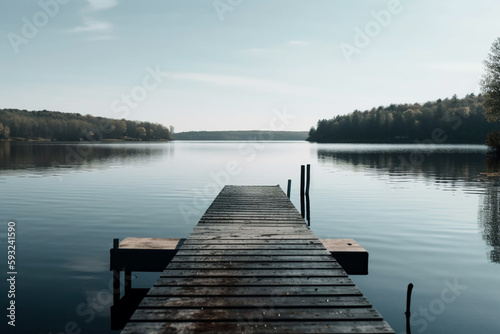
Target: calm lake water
[(427, 215)]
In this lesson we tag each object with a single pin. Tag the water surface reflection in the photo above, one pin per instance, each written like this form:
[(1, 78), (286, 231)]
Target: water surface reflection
[(449, 168), (41, 155)]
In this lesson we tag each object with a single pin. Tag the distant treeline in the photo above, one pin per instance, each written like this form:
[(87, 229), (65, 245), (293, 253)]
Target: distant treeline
[(450, 120), (242, 135), (54, 125)]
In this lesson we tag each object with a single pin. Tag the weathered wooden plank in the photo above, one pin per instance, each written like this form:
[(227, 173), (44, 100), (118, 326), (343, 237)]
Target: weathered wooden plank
[(221, 231), (194, 241), (255, 247), (250, 252), (252, 302), (255, 281), (247, 326), (254, 265), (272, 237), (256, 258), (249, 222), (275, 314), (249, 235), (284, 229), (255, 273), (150, 243), (251, 265), (253, 290)]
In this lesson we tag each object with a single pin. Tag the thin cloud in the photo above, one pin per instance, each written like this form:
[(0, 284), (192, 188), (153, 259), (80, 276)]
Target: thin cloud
[(91, 25), (266, 86)]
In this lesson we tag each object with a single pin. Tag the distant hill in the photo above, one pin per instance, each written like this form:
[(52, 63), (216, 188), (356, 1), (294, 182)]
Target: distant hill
[(242, 135)]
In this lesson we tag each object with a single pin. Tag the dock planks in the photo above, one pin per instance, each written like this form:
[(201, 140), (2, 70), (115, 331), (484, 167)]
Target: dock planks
[(251, 265)]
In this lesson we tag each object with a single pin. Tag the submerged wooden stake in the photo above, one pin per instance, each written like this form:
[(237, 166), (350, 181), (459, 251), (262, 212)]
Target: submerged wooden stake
[(408, 298), (408, 305)]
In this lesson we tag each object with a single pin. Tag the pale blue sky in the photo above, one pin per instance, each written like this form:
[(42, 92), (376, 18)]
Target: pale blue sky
[(230, 68)]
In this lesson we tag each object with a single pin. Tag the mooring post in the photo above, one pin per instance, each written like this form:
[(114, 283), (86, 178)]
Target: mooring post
[(308, 178), (302, 181), (408, 305), (308, 203), (116, 277), (289, 188)]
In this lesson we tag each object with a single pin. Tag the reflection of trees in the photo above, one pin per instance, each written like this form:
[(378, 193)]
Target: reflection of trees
[(489, 211), (44, 155), (441, 167), (450, 169)]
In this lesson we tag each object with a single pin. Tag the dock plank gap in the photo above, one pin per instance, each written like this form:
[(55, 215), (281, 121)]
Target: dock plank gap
[(251, 265)]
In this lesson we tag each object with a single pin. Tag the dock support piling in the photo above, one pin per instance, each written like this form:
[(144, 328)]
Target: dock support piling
[(289, 188), (116, 276), (308, 205), (128, 281), (116, 286), (302, 181)]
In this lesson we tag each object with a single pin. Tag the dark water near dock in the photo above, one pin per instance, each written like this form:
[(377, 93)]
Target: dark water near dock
[(426, 214)]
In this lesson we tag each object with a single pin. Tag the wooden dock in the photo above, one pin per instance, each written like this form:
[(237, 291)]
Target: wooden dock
[(251, 265)]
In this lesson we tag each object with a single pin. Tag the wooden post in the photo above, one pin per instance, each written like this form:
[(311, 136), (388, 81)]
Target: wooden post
[(128, 281), (308, 203), (308, 179), (289, 188), (408, 305), (116, 286), (302, 176), (116, 277)]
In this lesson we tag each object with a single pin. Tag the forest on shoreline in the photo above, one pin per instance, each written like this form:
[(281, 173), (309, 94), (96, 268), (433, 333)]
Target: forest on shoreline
[(452, 120), (18, 124)]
